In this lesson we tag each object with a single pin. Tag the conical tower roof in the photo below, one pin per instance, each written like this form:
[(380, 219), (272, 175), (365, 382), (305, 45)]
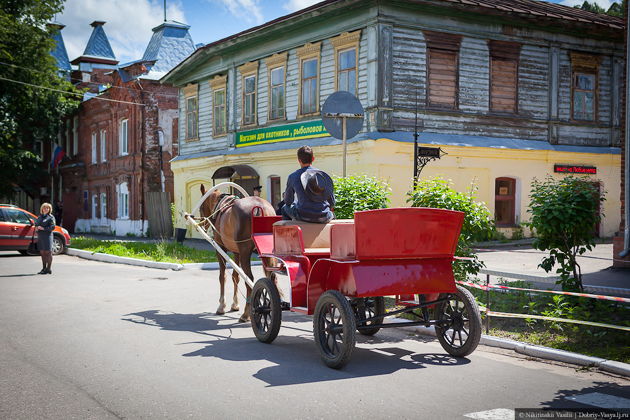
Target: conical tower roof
[(59, 52), (98, 49)]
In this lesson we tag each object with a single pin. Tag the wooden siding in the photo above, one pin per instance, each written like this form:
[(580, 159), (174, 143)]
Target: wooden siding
[(533, 82), (474, 75)]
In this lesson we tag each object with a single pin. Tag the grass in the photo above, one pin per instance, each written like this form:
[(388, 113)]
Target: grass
[(171, 252), (605, 343)]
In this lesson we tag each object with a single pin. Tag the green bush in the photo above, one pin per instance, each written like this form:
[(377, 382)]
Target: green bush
[(360, 192), (478, 225), (564, 215)]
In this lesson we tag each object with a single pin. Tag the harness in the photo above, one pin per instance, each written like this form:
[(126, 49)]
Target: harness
[(225, 202)]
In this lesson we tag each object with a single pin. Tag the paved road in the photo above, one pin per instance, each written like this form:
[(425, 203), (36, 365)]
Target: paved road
[(97, 340)]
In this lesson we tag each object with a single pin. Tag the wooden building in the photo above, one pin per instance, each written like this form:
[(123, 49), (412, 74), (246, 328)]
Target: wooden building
[(510, 90)]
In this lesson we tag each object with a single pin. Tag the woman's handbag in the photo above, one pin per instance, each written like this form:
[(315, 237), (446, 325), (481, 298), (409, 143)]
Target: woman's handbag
[(32, 247)]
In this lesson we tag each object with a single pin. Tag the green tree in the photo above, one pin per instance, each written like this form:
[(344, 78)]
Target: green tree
[(27, 113), (617, 9), (564, 213), (360, 192), (591, 7), (478, 224)]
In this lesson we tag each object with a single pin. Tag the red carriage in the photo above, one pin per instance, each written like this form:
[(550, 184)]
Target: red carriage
[(340, 273)]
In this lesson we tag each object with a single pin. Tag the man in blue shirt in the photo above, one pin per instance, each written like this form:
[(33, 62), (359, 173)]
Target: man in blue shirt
[(309, 195)]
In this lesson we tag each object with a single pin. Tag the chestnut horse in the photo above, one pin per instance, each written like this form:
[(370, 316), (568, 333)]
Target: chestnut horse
[(232, 218)]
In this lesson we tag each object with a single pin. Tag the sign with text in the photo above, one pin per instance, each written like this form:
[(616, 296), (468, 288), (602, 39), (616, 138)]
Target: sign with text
[(574, 169), (299, 131)]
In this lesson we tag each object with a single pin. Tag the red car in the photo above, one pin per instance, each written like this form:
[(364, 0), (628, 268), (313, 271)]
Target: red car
[(17, 227)]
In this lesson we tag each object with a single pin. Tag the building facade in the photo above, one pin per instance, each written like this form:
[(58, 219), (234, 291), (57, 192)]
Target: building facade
[(120, 141), (509, 93)]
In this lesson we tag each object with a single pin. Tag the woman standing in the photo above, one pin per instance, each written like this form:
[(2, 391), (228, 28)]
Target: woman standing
[(45, 224)]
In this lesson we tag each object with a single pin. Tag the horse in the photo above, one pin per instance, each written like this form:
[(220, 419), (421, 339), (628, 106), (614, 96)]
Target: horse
[(232, 219)]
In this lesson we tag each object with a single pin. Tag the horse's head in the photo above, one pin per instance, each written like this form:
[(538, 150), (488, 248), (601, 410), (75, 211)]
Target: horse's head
[(210, 203)]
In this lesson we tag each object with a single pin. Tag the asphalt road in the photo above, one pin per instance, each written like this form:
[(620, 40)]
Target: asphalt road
[(98, 340)]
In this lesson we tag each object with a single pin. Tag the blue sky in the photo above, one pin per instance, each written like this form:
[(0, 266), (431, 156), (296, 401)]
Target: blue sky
[(129, 22)]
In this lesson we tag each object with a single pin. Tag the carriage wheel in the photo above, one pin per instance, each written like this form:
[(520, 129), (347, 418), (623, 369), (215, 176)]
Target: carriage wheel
[(367, 308), (266, 314), (334, 328), (460, 330)]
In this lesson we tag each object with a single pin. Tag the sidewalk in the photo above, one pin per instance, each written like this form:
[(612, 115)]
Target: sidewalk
[(521, 261)]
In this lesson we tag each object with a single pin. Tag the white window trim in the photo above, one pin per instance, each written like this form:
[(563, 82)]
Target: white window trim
[(94, 157), (94, 206), (103, 206), (103, 145), (122, 196), (123, 137)]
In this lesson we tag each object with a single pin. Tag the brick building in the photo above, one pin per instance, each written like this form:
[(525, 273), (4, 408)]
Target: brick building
[(119, 142)]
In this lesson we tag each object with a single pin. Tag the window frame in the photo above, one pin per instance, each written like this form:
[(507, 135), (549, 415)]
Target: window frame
[(103, 145), (122, 198), (343, 43), (308, 52), (94, 212), (123, 137), (247, 71), (191, 91), (585, 64), (94, 147), (217, 85), (103, 203), (444, 43), (276, 62)]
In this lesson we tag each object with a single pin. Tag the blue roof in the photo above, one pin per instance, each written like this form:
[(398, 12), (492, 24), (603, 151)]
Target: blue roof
[(170, 44), (60, 53), (98, 45)]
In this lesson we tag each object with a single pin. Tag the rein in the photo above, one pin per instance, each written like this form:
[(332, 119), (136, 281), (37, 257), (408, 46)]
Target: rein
[(218, 210)]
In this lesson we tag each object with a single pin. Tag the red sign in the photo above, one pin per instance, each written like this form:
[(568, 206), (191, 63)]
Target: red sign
[(575, 169)]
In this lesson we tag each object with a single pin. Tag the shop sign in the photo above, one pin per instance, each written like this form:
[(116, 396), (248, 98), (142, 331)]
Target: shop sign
[(575, 169), (299, 131)]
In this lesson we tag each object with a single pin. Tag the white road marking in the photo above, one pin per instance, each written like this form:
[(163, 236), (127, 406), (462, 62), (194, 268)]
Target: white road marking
[(495, 414), (597, 399)]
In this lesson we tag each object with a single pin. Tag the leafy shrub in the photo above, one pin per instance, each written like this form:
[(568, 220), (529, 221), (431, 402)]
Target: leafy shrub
[(359, 192), (478, 225), (564, 215)]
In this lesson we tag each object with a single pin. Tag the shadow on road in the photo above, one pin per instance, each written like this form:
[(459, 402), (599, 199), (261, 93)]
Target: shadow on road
[(295, 359), (601, 395)]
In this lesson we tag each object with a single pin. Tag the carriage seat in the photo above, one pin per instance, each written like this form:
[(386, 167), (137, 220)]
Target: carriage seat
[(315, 236)]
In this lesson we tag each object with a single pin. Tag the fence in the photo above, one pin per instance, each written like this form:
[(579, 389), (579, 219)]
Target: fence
[(489, 313), (159, 213)]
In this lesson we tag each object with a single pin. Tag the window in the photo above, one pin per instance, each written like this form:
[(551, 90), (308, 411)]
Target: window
[(68, 139), (103, 146), (275, 189), (94, 206), (504, 58), (75, 136), (442, 69), (123, 201), (585, 68), (218, 85), (347, 71), (191, 118), (249, 72), (308, 101), (191, 108), (103, 206), (122, 139), (93, 148), (16, 216), (219, 112), (249, 100), (308, 56), (504, 201), (277, 93), (346, 48)]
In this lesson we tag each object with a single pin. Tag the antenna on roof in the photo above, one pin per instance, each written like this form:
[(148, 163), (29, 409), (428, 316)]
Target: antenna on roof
[(164, 10)]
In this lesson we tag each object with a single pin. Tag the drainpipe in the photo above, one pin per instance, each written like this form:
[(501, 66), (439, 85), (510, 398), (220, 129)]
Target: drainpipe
[(626, 236)]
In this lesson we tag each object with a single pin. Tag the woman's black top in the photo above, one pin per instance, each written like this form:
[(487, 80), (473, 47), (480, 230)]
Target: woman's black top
[(45, 237)]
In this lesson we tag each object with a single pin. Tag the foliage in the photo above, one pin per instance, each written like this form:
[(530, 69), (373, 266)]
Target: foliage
[(564, 214), (478, 225), (359, 192), (28, 113), (154, 251), (615, 9)]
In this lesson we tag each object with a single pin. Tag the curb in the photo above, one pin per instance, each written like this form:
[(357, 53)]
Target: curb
[(97, 256), (541, 352), (209, 265)]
